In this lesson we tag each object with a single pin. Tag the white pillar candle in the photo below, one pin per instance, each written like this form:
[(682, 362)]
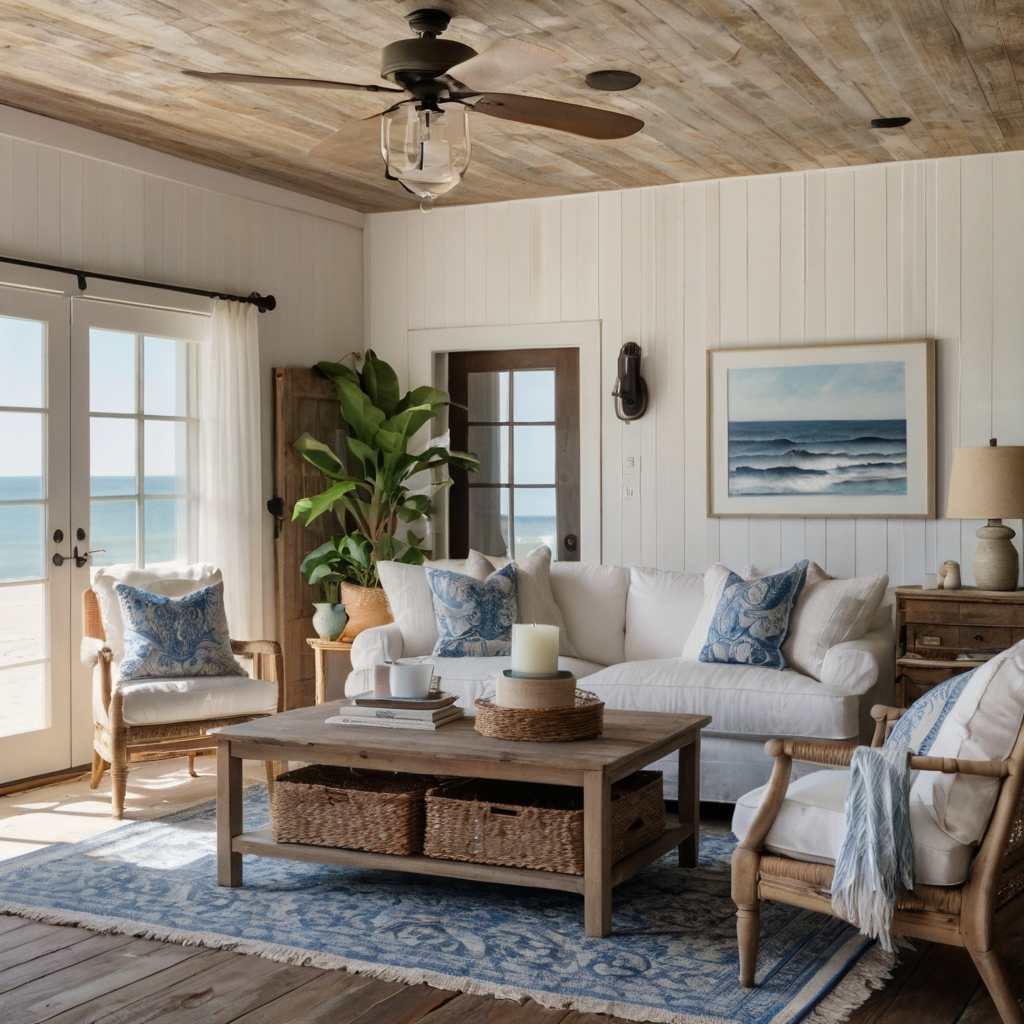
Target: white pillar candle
[(534, 650)]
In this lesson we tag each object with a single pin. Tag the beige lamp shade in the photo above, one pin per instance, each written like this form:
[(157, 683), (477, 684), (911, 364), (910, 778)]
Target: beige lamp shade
[(987, 483)]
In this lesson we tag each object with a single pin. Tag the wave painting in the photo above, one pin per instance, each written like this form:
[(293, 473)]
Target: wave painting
[(781, 453)]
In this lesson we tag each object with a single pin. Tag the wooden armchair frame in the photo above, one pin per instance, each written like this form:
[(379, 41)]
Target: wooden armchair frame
[(114, 742), (971, 915)]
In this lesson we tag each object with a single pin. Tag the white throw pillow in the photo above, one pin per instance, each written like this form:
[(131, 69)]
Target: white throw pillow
[(661, 609), (714, 585), (592, 599), (981, 726), (173, 582), (828, 612), (536, 603), (408, 595)]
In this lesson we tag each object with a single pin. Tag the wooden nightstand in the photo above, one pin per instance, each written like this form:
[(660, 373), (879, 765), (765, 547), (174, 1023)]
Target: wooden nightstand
[(933, 627)]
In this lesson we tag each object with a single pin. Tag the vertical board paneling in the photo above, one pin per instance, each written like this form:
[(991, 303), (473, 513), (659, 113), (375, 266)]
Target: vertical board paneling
[(631, 273), (454, 266), (476, 265), (610, 298)]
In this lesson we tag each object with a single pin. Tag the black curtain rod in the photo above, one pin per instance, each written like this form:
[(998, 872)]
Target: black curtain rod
[(261, 302)]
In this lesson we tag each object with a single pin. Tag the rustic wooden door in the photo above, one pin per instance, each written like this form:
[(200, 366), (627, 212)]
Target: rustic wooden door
[(304, 401)]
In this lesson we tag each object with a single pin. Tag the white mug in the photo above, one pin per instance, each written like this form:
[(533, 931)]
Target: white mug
[(410, 678)]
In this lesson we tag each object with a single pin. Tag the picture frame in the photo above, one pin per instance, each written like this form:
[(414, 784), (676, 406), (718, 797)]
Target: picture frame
[(822, 431)]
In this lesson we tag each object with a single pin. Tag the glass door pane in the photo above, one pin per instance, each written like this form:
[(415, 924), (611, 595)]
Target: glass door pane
[(35, 691)]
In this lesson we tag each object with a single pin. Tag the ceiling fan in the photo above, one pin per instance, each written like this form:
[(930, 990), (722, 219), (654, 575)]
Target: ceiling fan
[(425, 139)]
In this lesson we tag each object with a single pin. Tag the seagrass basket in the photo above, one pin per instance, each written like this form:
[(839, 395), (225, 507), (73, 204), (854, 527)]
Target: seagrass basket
[(583, 721), (321, 805), (524, 825)]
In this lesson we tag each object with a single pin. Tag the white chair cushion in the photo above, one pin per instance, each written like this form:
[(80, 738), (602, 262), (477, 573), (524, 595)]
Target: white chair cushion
[(828, 612), (592, 599), (661, 608), (741, 699), (981, 726), (157, 701), (714, 585), (811, 825), (176, 581)]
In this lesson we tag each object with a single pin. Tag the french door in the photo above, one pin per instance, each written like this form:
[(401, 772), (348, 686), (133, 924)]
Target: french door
[(519, 412), (98, 442)]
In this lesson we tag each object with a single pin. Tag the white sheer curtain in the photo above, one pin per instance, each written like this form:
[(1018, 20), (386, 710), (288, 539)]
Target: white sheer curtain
[(230, 471)]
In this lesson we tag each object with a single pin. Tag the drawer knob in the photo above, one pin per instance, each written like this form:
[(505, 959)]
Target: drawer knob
[(978, 636)]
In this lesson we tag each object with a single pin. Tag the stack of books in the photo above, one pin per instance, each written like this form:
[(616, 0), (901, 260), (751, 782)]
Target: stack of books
[(396, 713)]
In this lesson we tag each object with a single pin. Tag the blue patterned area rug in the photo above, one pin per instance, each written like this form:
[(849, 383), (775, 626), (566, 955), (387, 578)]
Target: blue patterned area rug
[(671, 957)]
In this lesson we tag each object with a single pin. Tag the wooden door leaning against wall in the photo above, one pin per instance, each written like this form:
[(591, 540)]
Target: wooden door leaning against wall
[(519, 411), (304, 402)]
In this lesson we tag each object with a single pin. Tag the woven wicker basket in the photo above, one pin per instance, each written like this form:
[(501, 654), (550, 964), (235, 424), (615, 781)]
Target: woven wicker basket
[(584, 721), (320, 805), (522, 825)]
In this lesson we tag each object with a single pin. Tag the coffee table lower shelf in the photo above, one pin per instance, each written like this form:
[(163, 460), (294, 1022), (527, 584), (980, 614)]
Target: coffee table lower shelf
[(258, 842)]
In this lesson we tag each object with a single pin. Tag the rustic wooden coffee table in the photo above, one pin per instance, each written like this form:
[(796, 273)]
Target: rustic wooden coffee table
[(631, 740)]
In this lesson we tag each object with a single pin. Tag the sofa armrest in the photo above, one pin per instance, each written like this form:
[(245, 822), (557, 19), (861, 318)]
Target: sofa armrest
[(376, 645), (854, 667)]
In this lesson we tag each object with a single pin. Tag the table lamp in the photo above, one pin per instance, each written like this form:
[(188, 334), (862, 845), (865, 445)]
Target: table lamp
[(988, 483)]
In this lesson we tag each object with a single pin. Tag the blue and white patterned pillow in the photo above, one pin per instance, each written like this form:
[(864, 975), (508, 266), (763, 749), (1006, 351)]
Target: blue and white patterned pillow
[(474, 617), (751, 622), (920, 723), (175, 637)]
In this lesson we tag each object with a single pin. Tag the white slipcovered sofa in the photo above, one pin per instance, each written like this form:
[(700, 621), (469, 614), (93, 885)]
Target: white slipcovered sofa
[(629, 626)]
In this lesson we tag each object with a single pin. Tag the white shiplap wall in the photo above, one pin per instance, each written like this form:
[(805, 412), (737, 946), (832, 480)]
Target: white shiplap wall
[(926, 249), (74, 197)]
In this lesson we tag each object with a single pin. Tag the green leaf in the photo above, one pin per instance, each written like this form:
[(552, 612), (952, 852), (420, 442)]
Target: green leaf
[(423, 396), (358, 411), (318, 454), (308, 509), (380, 382), (363, 452), (339, 371)]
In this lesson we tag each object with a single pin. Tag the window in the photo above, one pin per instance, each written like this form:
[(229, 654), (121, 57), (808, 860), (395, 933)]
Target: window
[(142, 443), (522, 421)]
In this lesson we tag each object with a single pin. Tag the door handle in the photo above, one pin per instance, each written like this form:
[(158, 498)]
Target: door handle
[(80, 559), (570, 541)]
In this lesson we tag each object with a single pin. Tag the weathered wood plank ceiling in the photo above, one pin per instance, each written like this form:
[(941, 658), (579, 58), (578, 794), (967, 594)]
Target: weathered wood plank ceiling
[(729, 87)]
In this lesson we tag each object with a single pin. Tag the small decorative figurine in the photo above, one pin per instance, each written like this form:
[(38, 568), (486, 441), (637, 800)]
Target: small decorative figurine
[(949, 575)]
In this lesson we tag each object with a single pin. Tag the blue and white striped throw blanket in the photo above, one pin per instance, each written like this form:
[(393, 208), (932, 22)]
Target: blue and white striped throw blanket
[(876, 859)]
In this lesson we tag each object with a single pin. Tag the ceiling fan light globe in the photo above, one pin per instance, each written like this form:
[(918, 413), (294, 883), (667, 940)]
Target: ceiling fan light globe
[(427, 150)]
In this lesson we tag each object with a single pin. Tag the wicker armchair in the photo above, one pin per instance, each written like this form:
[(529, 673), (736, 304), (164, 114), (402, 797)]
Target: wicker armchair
[(971, 914), (115, 741)]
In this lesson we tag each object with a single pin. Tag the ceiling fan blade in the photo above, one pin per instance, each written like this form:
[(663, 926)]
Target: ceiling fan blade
[(590, 122), (504, 63), (356, 138), (317, 83)]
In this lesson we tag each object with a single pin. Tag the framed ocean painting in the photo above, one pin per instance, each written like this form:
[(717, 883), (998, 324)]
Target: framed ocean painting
[(829, 430)]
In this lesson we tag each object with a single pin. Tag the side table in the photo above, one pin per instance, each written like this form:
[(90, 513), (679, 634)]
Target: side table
[(321, 648), (943, 633)]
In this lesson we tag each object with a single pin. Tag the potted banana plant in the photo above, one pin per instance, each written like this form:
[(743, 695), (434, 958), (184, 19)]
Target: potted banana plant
[(371, 489)]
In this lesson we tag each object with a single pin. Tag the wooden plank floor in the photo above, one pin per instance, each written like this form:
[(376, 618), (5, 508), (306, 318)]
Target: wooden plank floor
[(72, 976)]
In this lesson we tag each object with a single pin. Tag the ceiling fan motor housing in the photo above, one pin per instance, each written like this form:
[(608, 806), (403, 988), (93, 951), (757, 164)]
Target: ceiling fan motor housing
[(423, 59)]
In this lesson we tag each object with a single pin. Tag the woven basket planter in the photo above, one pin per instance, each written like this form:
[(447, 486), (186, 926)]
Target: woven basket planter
[(522, 825), (321, 805), (366, 607), (583, 721)]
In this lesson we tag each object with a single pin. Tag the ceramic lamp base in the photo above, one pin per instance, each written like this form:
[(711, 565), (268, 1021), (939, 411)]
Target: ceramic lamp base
[(995, 561), (512, 692)]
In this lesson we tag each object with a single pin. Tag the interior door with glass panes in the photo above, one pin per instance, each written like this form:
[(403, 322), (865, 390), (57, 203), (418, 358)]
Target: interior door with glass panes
[(134, 478), (35, 528), (519, 412)]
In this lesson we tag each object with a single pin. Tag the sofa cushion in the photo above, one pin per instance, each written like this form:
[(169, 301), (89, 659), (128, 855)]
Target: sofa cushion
[(409, 597), (474, 617), (751, 622), (828, 612), (741, 699), (592, 599), (715, 580), (811, 825), (981, 726), (175, 637), (535, 603), (661, 608), (172, 582), (156, 701)]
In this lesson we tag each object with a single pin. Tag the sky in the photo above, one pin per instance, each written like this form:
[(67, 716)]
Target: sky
[(832, 391)]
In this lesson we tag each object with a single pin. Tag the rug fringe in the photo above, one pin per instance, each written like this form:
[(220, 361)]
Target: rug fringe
[(871, 971)]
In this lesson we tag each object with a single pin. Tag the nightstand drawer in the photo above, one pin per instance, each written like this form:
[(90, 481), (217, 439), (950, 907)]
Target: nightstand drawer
[(921, 636), (985, 638), (932, 611), (992, 614)]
